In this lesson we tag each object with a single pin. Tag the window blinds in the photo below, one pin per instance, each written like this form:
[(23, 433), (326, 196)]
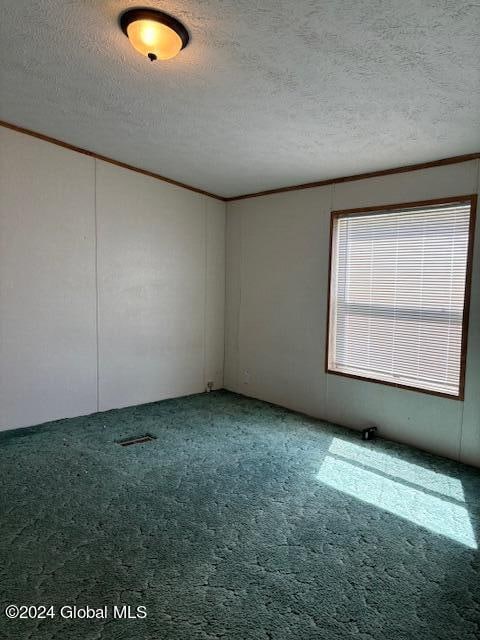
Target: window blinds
[(397, 295)]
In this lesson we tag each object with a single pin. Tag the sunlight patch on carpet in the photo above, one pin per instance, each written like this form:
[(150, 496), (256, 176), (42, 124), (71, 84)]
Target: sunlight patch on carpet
[(426, 498)]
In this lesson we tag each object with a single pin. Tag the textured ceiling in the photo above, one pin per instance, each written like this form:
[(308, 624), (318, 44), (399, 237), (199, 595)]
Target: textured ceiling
[(269, 93)]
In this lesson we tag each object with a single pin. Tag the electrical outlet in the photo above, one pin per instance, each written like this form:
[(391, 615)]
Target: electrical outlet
[(209, 386), (370, 433), (246, 377)]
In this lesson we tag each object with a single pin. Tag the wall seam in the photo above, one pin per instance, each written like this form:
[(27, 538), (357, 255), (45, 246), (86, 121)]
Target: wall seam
[(205, 301), (460, 438), (240, 296), (97, 332), (327, 378), (225, 268)]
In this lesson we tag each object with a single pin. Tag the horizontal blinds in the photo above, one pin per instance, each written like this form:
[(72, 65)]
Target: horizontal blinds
[(397, 295)]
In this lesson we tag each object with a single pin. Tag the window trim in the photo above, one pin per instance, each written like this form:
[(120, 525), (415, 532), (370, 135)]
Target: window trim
[(472, 198)]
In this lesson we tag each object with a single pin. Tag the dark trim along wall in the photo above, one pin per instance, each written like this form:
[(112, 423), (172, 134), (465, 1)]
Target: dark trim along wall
[(85, 152), (306, 185)]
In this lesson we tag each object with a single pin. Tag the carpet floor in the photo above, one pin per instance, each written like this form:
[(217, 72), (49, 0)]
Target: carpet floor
[(240, 521)]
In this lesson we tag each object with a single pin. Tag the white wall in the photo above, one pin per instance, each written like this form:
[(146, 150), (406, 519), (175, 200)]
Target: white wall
[(72, 228), (277, 282), (47, 282), (112, 293)]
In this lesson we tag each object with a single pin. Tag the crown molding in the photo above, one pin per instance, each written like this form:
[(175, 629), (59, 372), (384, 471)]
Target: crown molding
[(297, 187), (361, 176), (97, 156)]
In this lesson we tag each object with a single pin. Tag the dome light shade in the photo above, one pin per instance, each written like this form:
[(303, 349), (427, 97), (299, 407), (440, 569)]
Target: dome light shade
[(154, 34)]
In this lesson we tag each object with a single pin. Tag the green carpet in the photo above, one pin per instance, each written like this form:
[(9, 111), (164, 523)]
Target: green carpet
[(240, 521)]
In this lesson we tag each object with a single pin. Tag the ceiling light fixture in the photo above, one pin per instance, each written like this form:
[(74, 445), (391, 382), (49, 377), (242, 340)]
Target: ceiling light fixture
[(153, 33)]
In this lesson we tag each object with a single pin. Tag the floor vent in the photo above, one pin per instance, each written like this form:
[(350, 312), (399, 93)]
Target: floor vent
[(138, 440)]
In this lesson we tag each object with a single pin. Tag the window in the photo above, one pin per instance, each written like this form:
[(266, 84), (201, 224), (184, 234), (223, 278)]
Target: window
[(399, 294)]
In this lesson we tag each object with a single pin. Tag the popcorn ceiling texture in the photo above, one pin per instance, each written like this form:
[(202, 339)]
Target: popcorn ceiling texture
[(269, 93), (223, 529)]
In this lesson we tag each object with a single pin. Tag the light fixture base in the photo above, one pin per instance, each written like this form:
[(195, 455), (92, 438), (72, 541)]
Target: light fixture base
[(133, 15)]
